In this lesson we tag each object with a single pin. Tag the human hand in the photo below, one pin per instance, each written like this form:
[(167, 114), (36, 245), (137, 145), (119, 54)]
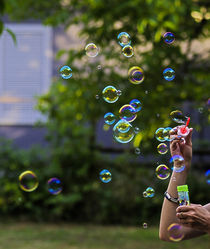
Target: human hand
[(194, 216), (180, 147)]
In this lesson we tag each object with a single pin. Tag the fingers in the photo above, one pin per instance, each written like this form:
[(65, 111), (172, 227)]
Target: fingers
[(188, 138), (186, 208)]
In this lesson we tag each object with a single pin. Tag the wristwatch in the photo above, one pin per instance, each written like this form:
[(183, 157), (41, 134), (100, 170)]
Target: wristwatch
[(170, 198)]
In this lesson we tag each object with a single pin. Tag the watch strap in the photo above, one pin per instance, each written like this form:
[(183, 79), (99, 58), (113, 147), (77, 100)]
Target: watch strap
[(170, 198)]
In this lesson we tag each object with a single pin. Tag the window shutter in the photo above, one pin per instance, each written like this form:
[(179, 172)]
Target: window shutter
[(25, 72)]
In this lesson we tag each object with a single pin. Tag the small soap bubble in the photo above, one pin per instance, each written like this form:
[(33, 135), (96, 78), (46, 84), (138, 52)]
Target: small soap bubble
[(169, 74), (54, 186), (124, 39), (128, 113), (177, 163), (145, 194), (136, 75), (168, 37), (105, 176), (162, 148), (200, 109), (150, 192), (166, 133), (158, 115), (109, 94), (119, 92), (159, 135), (178, 117), (145, 225), (137, 151), (65, 72), (109, 118), (207, 175), (91, 50), (127, 51), (97, 96), (146, 92), (99, 67), (136, 104), (123, 131), (137, 130), (175, 232), (162, 172), (28, 181)]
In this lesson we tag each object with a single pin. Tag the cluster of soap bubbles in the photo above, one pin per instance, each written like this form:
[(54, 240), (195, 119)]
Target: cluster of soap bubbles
[(29, 182), (124, 40), (163, 134), (149, 192)]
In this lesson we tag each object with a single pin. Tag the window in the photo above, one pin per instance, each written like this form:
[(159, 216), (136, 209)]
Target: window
[(25, 72)]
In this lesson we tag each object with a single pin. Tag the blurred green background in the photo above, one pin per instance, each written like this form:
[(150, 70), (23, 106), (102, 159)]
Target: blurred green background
[(75, 154)]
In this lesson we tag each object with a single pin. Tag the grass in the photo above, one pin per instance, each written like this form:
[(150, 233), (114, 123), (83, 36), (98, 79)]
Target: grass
[(63, 236)]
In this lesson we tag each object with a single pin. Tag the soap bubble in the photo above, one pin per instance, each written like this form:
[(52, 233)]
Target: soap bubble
[(162, 172), (166, 133), (136, 75), (145, 194), (162, 148), (207, 175), (110, 94), (91, 50), (150, 192), (159, 134), (145, 225), (123, 131), (54, 186), (168, 74), (99, 67), (105, 176), (127, 51), (124, 39), (136, 129), (137, 151), (178, 117), (28, 181), (168, 37), (136, 104), (97, 96), (178, 161), (109, 118), (65, 72), (128, 113), (146, 92), (175, 232), (158, 115)]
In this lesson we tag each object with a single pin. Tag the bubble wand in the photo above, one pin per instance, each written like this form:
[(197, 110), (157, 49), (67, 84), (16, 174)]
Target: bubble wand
[(184, 129)]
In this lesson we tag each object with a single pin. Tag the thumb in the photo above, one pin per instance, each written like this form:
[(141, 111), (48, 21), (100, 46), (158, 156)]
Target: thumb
[(188, 138)]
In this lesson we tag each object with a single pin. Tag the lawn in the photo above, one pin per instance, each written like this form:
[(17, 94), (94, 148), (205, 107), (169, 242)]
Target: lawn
[(63, 236)]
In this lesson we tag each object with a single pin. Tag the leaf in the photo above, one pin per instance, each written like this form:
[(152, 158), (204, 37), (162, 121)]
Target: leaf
[(12, 35)]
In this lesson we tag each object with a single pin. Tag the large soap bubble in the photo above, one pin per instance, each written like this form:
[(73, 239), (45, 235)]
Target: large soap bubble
[(123, 131), (110, 94), (65, 72), (136, 75), (28, 181), (168, 37), (136, 104), (175, 232), (128, 113), (91, 50), (162, 148), (178, 117), (109, 118), (162, 172), (159, 135), (169, 74), (54, 186), (127, 51)]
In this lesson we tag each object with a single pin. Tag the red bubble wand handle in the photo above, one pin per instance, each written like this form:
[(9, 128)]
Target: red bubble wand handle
[(184, 130)]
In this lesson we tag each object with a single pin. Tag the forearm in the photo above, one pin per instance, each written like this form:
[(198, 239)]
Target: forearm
[(168, 213)]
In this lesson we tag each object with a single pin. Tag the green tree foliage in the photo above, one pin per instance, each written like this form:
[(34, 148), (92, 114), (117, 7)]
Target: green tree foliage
[(73, 110)]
